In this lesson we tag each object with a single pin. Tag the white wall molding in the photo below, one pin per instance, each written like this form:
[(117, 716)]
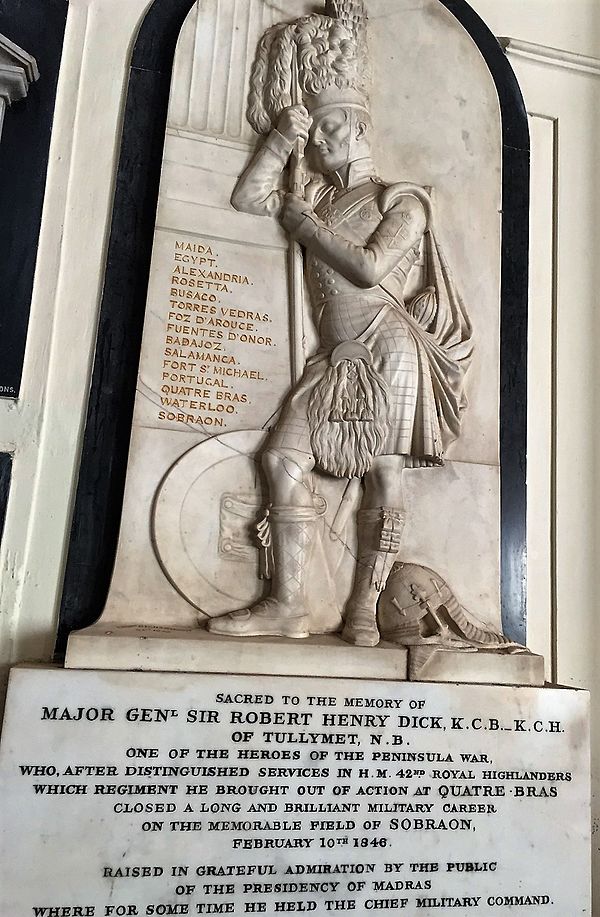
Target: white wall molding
[(572, 25), (553, 57), (562, 92), (44, 428)]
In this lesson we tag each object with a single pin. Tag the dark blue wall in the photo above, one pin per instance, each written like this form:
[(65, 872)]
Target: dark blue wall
[(38, 27), (5, 471)]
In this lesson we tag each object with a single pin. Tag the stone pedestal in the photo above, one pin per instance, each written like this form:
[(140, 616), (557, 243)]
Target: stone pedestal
[(130, 793), (170, 649), (481, 667)]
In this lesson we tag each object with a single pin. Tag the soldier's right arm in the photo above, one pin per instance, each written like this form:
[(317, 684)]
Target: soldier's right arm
[(257, 190)]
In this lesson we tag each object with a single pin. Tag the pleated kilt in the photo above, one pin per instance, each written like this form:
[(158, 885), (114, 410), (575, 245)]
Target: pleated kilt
[(399, 356)]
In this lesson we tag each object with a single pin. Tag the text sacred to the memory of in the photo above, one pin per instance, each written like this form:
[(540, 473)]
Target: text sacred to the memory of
[(291, 800)]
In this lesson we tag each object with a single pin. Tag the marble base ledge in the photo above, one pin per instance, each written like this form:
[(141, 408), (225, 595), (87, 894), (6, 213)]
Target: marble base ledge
[(167, 649), (434, 664)]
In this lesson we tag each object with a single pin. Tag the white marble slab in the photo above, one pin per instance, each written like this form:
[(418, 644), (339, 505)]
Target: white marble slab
[(171, 525), (331, 795), (216, 355), (429, 663), (213, 266), (127, 647), (170, 649), (437, 122)]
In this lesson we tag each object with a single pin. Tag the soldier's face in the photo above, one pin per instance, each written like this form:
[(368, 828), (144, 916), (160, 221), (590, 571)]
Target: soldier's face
[(331, 139)]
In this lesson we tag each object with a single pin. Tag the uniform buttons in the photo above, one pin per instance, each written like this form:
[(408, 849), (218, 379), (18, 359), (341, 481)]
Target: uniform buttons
[(329, 271)]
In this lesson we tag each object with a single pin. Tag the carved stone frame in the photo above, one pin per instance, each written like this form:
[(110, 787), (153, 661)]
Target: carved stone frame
[(98, 504)]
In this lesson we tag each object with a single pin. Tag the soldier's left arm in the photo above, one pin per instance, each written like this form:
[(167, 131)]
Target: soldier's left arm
[(401, 228)]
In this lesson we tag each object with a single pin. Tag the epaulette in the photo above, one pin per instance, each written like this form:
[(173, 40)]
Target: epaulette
[(393, 193)]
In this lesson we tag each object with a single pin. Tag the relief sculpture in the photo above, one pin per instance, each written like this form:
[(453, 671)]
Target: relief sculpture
[(384, 393), (314, 474)]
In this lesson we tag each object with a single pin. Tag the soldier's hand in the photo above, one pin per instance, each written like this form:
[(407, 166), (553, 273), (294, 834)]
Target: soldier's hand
[(293, 213), (294, 122)]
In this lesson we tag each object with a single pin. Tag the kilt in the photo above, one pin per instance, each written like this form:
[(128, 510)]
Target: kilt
[(401, 358)]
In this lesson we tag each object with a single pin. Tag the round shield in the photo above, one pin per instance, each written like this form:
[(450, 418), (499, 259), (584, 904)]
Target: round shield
[(205, 520)]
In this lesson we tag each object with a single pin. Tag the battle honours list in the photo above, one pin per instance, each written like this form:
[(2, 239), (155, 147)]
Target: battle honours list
[(214, 349), (198, 361), (156, 794)]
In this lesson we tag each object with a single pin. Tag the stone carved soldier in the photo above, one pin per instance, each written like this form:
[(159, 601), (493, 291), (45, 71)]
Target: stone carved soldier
[(384, 392)]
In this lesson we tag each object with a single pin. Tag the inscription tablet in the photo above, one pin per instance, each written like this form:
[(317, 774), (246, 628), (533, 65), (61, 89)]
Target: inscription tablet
[(154, 794)]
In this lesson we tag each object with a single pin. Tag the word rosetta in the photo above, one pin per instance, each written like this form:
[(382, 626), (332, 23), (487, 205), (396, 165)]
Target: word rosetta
[(165, 794), (213, 348)]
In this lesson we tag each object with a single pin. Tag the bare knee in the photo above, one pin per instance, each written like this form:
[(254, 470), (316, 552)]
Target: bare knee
[(287, 462), (383, 483)]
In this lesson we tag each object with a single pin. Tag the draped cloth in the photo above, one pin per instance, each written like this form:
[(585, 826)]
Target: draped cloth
[(446, 345)]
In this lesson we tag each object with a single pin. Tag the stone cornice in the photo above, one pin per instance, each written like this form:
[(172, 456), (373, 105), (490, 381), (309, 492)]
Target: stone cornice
[(18, 70), (554, 57)]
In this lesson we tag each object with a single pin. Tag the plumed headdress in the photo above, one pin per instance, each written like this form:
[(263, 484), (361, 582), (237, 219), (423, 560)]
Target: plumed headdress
[(326, 54)]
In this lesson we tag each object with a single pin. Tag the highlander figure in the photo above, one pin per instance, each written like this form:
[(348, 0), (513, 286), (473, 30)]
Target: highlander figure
[(384, 392)]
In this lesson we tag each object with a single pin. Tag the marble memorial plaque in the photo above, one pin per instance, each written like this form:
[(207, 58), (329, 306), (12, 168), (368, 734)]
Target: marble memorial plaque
[(161, 794), (315, 442)]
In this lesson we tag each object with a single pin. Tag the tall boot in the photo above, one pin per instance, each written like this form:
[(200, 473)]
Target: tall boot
[(379, 534), (283, 613)]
